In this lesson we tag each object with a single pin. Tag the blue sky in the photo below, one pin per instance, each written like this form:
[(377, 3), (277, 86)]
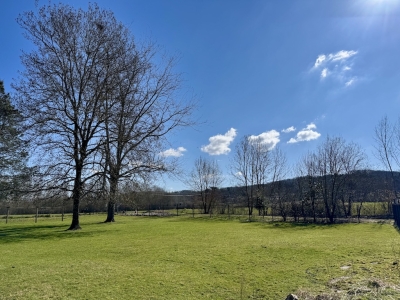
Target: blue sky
[(290, 71)]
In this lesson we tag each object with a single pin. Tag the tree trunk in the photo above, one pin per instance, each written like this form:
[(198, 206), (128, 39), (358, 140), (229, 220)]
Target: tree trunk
[(111, 201), (77, 190), (110, 212), (331, 214), (76, 194), (250, 211), (313, 210)]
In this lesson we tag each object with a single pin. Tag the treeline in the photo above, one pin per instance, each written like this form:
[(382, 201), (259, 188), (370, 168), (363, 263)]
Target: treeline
[(367, 193), (132, 201), (302, 199), (329, 183), (131, 197)]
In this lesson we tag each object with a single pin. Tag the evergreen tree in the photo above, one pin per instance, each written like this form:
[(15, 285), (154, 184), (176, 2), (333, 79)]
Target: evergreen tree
[(13, 154)]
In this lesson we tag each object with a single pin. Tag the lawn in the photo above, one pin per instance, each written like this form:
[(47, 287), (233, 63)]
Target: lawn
[(196, 258)]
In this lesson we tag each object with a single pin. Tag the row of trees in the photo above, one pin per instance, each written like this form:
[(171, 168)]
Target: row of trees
[(330, 182), (95, 106)]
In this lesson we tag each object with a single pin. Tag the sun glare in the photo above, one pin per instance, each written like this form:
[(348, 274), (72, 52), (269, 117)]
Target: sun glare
[(383, 3), (378, 7)]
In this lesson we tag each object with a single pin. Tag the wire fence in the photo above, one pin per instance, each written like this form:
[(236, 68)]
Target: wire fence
[(372, 210)]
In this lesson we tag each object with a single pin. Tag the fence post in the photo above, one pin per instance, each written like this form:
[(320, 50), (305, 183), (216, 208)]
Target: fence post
[(37, 213), (8, 213), (62, 214), (396, 213)]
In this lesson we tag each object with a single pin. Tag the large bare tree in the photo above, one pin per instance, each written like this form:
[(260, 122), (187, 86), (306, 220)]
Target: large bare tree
[(96, 106), (142, 110)]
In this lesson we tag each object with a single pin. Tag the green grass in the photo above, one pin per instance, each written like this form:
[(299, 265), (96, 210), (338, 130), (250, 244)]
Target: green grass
[(371, 209), (200, 258)]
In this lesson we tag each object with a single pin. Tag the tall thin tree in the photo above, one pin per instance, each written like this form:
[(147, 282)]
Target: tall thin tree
[(251, 168)]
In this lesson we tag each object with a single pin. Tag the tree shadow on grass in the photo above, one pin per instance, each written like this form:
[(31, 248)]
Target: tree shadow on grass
[(310, 225), (40, 232), (294, 225), (255, 222), (268, 224), (397, 227)]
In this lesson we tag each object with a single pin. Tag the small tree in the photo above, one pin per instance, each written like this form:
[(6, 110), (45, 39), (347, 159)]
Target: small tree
[(336, 160), (205, 179), (251, 168), (279, 172), (308, 188)]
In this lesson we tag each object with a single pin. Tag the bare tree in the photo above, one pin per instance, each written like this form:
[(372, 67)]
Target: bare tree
[(308, 188), (206, 178), (141, 111), (63, 88), (279, 172), (336, 160), (98, 107), (324, 178), (251, 168), (387, 146)]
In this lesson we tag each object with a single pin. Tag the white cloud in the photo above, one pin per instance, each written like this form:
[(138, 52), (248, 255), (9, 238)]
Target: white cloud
[(342, 55), (350, 82), (324, 73), (173, 152), (310, 126), (306, 134), (336, 65), (270, 138), (219, 144), (320, 59), (289, 129)]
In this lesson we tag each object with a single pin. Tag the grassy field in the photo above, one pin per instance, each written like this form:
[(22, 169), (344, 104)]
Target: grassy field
[(200, 258)]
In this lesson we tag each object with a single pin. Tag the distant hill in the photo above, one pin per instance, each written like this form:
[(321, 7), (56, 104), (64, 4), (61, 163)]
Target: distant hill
[(366, 180)]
